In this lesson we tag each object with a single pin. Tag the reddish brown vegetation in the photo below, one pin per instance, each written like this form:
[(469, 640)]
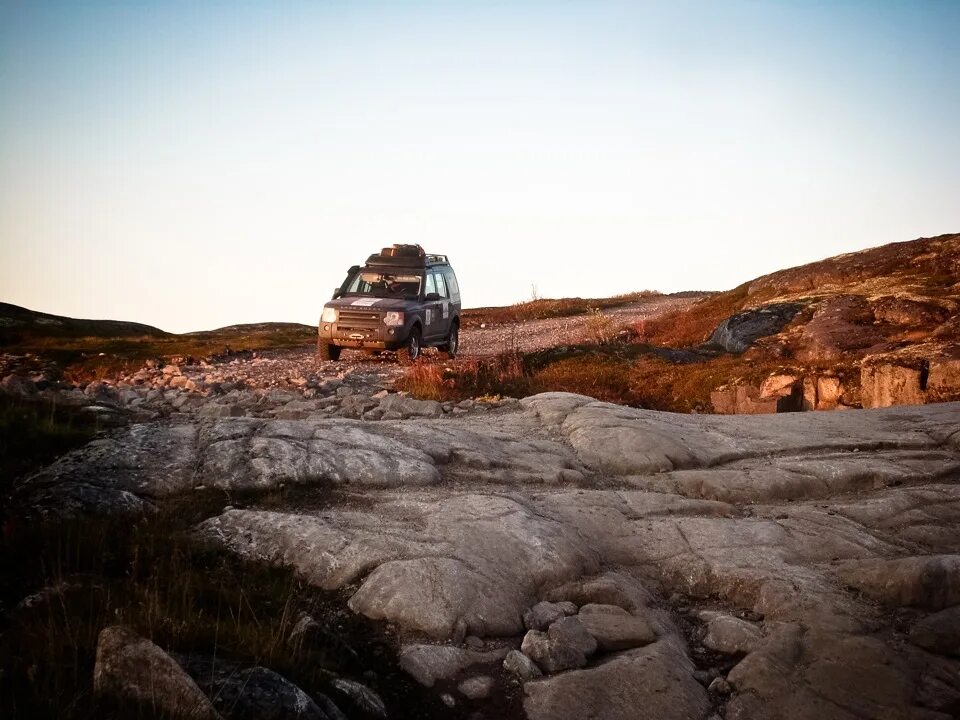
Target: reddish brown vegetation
[(543, 308)]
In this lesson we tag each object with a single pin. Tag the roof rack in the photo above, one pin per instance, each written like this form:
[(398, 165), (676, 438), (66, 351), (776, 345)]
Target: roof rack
[(406, 260)]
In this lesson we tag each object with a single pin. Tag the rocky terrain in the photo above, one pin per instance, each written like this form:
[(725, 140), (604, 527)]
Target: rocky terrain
[(247, 532), (868, 329), (558, 557)]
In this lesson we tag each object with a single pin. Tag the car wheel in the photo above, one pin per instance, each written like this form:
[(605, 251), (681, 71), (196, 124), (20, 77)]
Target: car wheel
[(452, 346), (328, 352), (411, 350)]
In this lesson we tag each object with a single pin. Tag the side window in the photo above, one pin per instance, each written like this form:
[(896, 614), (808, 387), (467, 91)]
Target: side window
[(431, 286), (441, 286), (452, 284)]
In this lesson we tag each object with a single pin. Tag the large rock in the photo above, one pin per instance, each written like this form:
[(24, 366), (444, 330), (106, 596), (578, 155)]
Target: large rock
[(886, 384), (943, 381), (545, 613), (132, 669), (656, 680), (731, 635), (255, 693), (738, 332), (410, 407), (617, 631)]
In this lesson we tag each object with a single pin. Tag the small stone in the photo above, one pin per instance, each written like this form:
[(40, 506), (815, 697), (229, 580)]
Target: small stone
[(615, 631), (476, 688), (363, 697), (543, 614), (566, 645), (518, 664), (720, 686)]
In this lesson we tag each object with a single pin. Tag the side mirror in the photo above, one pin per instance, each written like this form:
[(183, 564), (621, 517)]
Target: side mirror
[(336, 293), (432, 296)]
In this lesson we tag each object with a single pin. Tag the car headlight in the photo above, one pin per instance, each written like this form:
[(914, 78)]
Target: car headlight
[(329, 315), (394, 319)]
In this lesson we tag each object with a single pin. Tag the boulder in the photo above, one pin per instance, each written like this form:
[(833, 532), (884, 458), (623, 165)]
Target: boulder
[(428, 664), (545, 613), (777, 386), (943, 382), (255, 693), (616, 631), (130, 668), (521, 666), (731, 635), (738, 332), (655, 681), (886, 384), (564, 646), (410, 407), (609, 588), (828, 393)]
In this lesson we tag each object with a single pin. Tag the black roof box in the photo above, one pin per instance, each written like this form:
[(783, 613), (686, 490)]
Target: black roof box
[(405, 256)]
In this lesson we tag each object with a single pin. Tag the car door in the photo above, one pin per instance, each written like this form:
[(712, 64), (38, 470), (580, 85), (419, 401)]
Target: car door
[(432, 309), (446, 314)]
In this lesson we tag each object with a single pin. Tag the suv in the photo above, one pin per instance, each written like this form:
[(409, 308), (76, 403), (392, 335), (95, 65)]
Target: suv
[(403, 299)]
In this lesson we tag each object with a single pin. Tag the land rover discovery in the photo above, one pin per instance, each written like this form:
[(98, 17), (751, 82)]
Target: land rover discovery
[(403, 299)]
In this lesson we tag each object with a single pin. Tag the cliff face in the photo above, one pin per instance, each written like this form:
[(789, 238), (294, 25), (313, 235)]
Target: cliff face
[(877, 328)]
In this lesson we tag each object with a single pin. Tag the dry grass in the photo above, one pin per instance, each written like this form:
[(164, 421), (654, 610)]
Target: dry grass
[(626, 374), (504, 375), (541, 308), (86, 359), (151, 575), (33, 433), (693, 325)]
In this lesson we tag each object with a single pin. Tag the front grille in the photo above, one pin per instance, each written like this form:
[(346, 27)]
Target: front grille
[(358, 320)]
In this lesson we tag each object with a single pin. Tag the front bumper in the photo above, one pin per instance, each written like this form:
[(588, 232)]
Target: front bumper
[(373, 336), (365, 344)]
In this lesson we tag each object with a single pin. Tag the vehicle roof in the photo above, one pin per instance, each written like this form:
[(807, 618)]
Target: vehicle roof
[(407, 263)]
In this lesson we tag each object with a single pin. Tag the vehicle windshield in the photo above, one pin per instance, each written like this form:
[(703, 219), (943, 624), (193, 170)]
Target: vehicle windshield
[(384, 285)]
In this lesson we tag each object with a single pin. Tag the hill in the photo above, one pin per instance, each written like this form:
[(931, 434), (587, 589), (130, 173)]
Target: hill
[(864, 329), (93, 349), (19, 325)]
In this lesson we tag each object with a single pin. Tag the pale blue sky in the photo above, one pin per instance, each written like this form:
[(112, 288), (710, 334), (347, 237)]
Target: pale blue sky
[(192, 165)]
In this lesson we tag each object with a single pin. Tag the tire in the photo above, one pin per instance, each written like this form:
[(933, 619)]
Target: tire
[(328, 352), (412, 348), (452, 346)]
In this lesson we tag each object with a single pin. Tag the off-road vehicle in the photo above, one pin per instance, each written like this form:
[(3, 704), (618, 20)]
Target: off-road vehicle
[(403, 299)]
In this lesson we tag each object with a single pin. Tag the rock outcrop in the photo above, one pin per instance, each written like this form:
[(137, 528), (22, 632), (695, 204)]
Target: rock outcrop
[(607, 558)]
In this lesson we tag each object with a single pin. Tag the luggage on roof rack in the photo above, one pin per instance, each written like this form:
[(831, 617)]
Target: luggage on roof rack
[(405, 256), (402, 251)]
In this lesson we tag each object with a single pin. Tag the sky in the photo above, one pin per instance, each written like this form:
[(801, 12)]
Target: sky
[(192, 165)]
